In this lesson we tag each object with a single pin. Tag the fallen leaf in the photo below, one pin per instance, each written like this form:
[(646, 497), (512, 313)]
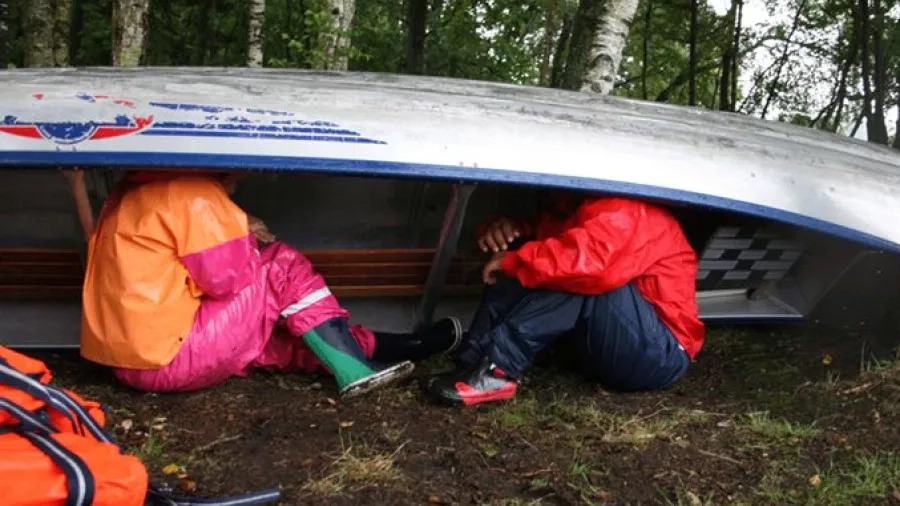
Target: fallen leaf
[(479, 435), (603, 495), (187, 485), (171, 469), (182, 476), (490, 451), (345, 425), (826, 359), (434, 499), (815, 480), (331, 401)]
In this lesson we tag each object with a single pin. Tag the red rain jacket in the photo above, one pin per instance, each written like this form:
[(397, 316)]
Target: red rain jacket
[(609, 242)]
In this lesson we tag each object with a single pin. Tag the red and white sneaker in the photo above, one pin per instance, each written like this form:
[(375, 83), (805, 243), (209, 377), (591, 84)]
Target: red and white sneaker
[(467, 387)]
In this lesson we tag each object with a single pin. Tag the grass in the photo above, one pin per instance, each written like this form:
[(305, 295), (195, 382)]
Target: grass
[(357, 467), (152, 451), (776, 431), (616, 427), (858, 481)]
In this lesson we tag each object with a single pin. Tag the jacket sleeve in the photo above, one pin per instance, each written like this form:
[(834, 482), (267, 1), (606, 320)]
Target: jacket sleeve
[(215, 244), (605, 248)]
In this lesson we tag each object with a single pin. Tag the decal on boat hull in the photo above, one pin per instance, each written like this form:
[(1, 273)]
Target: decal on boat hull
[(170, 120)]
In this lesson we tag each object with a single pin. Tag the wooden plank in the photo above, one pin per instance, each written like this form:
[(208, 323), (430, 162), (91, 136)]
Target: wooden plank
[(55, 274)]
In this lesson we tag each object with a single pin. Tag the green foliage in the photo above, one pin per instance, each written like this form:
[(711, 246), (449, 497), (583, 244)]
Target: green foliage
[(507, 41), (668, 34)]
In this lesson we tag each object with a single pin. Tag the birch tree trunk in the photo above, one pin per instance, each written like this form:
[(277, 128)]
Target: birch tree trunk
[(62, 24), (645, 58), (896, 143), (735, 60), (130, 19), (39, 33), (256, 21), (338, 41), (605, 52)]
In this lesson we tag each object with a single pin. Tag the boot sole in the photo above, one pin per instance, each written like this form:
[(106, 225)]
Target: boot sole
[(380, 379)]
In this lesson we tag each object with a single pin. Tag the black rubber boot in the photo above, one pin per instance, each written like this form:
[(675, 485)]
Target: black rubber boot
[(443, 336)]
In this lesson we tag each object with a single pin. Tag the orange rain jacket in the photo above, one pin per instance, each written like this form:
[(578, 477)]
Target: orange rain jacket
[(155, 252)]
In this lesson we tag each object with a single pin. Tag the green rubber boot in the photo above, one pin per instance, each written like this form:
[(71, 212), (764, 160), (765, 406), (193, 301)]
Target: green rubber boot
[(335, 347)]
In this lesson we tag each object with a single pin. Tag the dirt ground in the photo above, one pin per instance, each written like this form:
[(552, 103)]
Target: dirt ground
[(764, 417)]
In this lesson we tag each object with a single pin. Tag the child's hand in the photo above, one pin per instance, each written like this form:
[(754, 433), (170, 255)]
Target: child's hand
[(499, 235), (492, 268)]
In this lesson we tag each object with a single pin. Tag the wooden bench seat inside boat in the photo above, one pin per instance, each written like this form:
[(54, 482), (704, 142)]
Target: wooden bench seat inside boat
[(57, 274)]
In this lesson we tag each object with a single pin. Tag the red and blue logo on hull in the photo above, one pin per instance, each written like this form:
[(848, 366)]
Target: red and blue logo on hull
[(170, 120), (73, 132)]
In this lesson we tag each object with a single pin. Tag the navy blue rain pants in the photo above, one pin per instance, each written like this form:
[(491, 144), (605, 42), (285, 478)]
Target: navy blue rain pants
[(617, 339)]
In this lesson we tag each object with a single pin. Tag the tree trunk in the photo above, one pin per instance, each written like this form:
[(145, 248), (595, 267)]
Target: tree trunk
[(560, 54), (876, 130), (692, 55), (39, 21), (782, 61), (833, 124), (645, 58), (607, 42), (862, 15), (75, 31), (584, 25), (338, 41), (416, 29), (728, 59), (549, 32), (62, 24), (736, 52), (130, 19), (202, 33), (896, 143), (256, 18)]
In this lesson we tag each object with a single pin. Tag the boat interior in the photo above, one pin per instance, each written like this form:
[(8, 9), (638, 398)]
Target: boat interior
[(397, 252)]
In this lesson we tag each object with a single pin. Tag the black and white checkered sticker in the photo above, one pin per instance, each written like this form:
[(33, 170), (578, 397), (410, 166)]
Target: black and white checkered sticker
[(738, 257)]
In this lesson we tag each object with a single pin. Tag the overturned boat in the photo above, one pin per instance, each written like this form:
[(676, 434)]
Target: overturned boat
[(381, 180)]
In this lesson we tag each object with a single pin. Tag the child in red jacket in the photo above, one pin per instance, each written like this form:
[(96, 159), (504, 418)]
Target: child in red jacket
[(615, 275)]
